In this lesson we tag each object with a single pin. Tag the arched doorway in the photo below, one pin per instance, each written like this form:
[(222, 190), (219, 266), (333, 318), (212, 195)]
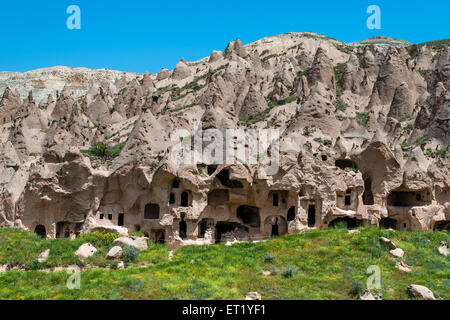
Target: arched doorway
[(40, 231)]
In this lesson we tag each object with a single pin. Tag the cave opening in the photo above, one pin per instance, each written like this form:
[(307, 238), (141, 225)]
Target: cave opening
[(224, 227), (388, 223), (120, 219), (368, 195), (275, 200), (291, 214), (160, 236), (224, 178), (40, 231), (407, 198), (151, 211), (442, 226), (249, 215), (347, 200), (275, 232), (184, 199), (311, 216), (202, 226), (183, 229), (350, 223), (345, 163)]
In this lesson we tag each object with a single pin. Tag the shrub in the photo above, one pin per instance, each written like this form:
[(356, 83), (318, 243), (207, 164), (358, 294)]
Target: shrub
[(340, 105), (422, 140), (356, 288), (307, 131), (362, 118), (129, 253), (289, 272), (103, 150), (268, 257), (339, 73), (441, 152), (137, 234), (273, 270), (99, 238)]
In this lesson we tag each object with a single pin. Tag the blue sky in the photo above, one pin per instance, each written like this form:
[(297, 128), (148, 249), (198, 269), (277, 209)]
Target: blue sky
[(141, 36)]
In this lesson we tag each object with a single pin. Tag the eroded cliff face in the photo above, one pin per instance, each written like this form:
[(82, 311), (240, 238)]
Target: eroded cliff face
[(364, 130)]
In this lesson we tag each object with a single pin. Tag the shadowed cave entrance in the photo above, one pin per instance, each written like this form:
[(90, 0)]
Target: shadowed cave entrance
[(40, 231), (442, 226), (349, 223), (367, 195), (388, 223), (224, 227), (224, 178), (249, 215), (311, 216)]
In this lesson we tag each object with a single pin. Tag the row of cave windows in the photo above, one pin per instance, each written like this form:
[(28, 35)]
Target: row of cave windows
[(151, 210), (350, 222)]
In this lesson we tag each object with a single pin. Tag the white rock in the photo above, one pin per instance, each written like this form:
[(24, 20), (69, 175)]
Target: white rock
[(253, 296), (266, 273), (120, 265), (140, 243), (170, 255), (369, 296), (43, 256), (403, 267), (3, 268), (85, 251), (353, 231), (419, 291), (443, 248), (114, 252), (399, 253)]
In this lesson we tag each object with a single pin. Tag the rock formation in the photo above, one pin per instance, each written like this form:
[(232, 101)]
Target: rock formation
[(363, 137)]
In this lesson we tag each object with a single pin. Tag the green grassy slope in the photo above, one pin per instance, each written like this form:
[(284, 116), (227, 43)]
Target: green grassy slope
[(329, 264)]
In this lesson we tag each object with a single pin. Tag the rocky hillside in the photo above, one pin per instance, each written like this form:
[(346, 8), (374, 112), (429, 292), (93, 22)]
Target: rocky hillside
[(364, 134)]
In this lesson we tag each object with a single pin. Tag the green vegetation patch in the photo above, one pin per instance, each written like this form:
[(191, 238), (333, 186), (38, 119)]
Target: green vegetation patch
[(317, 264), (103, 150)]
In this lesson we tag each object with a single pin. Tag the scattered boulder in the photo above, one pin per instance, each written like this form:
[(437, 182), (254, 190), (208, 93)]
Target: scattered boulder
[(266, 273), (92, 225), (114, 252), (369, 296), (443, 248), (3, 268), (399, 253), (388, 243), (419, 291), (140, 243), (85, 251), (253, 296), (43, 256), (403, 267), (353, 231), (120, 265)]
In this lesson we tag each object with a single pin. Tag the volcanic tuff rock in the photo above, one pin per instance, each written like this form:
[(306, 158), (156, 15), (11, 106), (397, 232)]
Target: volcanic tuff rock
[(363, 127)]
